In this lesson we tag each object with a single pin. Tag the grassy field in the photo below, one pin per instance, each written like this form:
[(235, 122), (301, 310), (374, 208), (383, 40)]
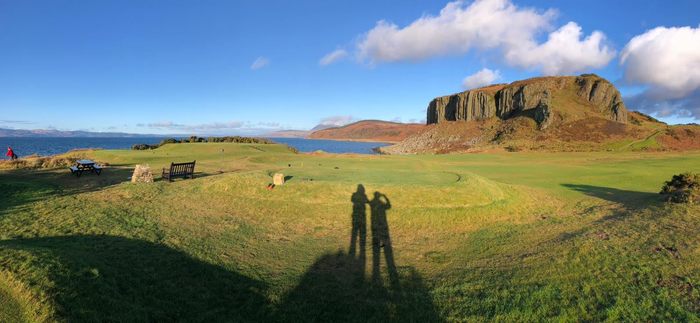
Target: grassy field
[(470, 237)]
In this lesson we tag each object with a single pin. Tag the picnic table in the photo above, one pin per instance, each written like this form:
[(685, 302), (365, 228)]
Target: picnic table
[(85, 165)]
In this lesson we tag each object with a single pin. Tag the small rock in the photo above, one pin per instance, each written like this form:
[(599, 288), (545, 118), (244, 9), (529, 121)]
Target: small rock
[(278, 179), (142, 174)]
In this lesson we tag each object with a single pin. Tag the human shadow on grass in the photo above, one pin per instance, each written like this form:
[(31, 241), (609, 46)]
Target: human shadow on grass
[(335, 288), (107, 278)]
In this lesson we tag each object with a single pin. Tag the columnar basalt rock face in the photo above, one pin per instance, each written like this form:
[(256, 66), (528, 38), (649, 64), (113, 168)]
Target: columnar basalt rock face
[(503, 101), (603, 95)]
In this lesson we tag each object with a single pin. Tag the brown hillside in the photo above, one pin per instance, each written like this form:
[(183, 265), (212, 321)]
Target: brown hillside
[(370, 130), (522, 133)]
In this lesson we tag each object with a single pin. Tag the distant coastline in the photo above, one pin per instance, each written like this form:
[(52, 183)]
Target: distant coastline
[(50, 133), (49, 146)]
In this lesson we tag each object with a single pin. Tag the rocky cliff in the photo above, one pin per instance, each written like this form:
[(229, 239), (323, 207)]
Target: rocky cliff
[(567, 113), (544, 99)]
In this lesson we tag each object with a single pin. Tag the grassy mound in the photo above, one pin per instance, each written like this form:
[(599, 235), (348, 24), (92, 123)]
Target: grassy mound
[(527, 236)]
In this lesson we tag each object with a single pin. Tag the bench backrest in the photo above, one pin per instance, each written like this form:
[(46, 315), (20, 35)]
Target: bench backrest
[(182, 168)]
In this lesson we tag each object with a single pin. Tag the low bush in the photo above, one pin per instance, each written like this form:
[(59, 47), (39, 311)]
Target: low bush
[(513, 149), (144, 147), (682, 188)]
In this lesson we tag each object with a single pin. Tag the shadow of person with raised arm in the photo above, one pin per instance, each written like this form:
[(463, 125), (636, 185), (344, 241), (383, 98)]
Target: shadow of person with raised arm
[(358, 234), (336, 289), (381, 240)]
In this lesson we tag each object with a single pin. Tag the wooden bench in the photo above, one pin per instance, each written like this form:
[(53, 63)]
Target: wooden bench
[(79, 169), (176, 170)]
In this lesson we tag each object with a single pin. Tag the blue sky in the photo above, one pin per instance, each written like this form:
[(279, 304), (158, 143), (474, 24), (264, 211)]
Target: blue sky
[(245, 67)]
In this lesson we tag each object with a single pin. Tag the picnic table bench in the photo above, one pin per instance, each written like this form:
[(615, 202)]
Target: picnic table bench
[(85, 165), (176, 170)]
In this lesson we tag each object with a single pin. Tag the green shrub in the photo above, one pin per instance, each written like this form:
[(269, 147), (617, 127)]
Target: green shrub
[(682, 188), (232, 139), (143, 147), (169, 141)]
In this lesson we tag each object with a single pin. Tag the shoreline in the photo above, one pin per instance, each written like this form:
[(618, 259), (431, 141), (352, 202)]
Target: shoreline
[(357, 140), (39, 151)]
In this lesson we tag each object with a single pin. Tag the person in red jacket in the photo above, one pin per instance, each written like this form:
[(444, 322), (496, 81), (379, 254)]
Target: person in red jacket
[(11, 153)]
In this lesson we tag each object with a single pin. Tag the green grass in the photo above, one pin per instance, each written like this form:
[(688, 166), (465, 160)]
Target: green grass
[(508, 236), (648, 143)]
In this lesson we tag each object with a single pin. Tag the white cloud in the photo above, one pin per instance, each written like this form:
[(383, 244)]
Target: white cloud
[(259, 63), (337, 121), (667, 62), (564, 52), (214, 128), (488, 25), (483, 77), (16, 122), (666, 58), (333, 57), (422, 121), (169, 125)]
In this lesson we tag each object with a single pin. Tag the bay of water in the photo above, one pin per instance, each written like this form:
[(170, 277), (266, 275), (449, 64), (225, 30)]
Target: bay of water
[(24, 146), (330, 146)]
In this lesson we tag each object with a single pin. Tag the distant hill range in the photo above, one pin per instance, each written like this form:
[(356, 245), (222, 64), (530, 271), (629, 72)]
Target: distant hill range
[(567, 113), (365, 130), (298, 133), (287, 134), (370, 130), (58, 133)]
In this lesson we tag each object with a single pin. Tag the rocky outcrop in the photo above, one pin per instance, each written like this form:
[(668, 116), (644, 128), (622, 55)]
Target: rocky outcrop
[(603, 95), (537, 97)]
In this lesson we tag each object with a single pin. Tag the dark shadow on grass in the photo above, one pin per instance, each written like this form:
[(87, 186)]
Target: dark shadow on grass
[(335, 288), (628, 199), (22, 186), (108, 278), (630, 202)]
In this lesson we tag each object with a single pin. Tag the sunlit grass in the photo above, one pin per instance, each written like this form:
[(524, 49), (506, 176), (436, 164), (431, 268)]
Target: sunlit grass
[(514, 236)]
